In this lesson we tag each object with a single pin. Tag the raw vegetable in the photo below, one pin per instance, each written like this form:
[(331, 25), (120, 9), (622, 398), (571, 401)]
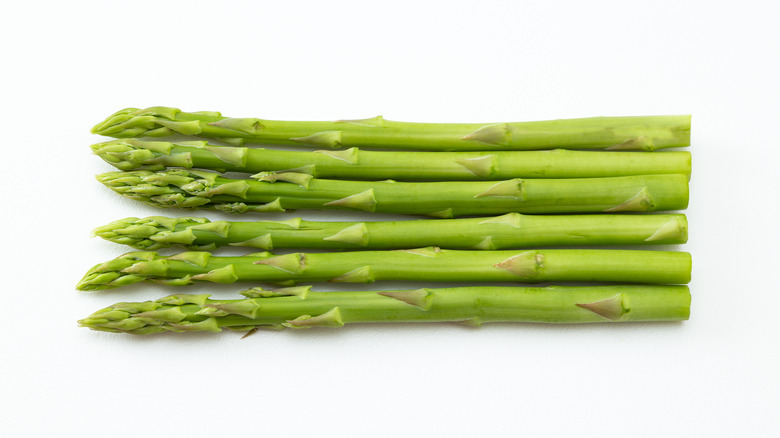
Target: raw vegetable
[(421, 264), (276, 192), (300, 307), (132, 154), (615, 133), (511, 230)]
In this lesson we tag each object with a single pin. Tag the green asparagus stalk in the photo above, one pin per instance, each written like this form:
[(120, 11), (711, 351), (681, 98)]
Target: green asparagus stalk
[(132, 154), (615, 133), (289, 190), (422, 264), (511, 230), (300, 308)]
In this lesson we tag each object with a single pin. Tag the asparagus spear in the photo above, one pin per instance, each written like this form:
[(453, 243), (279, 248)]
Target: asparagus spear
[(511, 230), (422, 264), (289, 190), (302, 308), (132, 154), (616, 133)]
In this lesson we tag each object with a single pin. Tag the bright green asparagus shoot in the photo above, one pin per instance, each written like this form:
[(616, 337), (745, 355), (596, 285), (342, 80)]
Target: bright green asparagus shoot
[(645, 133), (132, 154), (299, 308), (421, 264), (511, 230), (274, 192)]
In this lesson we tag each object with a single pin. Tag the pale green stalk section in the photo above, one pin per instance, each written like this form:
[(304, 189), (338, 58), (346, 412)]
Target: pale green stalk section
[(512, 230), (616, 133), (132, 154), (422, 264), (300, 308), (275, 192)]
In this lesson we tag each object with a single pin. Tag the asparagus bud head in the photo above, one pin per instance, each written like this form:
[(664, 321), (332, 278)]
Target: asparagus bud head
[(156, 121)]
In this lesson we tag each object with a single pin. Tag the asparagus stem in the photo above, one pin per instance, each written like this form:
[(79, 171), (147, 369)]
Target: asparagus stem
[(302, 308), (286, 191), (132, 154), (423, 264), (617, 133), (512, 230)]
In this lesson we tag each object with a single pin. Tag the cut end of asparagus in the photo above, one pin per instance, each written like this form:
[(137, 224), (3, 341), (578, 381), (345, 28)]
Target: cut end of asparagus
[(657, 132)]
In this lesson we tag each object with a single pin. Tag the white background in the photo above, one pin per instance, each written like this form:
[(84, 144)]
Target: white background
[(67, 65)]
